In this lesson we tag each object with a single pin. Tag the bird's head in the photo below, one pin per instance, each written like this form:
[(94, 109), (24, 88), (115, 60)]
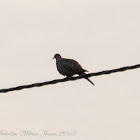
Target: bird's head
[(57, 56)]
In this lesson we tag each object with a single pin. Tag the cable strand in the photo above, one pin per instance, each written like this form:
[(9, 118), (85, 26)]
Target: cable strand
[(70, 79)]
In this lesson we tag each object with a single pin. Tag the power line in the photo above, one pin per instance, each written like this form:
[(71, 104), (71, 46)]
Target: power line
[(70, 79)]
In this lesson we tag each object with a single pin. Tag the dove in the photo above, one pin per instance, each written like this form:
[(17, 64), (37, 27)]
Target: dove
[(69, 67)]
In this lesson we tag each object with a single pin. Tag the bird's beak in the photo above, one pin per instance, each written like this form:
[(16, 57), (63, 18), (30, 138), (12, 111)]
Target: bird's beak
[(53, 58)]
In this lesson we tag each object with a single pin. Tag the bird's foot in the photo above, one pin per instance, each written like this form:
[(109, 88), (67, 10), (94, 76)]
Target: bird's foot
[(68, 77)]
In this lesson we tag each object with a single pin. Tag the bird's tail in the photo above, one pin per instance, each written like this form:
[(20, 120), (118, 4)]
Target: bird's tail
[(89, 81), (87, 78)]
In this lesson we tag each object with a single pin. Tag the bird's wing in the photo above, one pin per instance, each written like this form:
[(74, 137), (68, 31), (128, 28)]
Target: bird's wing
[(72, 66)]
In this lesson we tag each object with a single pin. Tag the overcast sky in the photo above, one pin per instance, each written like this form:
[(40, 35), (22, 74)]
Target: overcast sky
[(100, 35)]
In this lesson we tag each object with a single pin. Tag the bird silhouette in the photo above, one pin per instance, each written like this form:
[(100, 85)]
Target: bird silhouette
[(69, 67)]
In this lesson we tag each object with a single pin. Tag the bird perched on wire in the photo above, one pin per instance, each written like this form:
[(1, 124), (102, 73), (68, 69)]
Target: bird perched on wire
[(69, 67)]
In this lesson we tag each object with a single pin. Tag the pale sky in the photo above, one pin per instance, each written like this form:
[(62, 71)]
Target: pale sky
[(100, 35)]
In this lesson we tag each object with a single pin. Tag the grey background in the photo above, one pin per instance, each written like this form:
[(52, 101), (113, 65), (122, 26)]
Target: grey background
[(100, 35)]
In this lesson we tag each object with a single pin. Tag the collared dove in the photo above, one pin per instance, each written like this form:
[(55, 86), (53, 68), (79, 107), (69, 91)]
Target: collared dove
[(69, 67)]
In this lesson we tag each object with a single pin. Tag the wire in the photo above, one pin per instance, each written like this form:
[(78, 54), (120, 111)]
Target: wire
[(70, 79)]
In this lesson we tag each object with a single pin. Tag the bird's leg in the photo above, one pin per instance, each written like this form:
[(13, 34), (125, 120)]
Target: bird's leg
[(68, 77)]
